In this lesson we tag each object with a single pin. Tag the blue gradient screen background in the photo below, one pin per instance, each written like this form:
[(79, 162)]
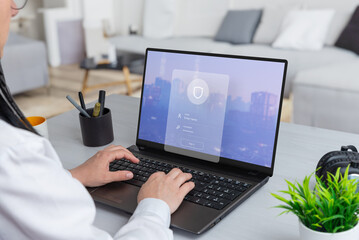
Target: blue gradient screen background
[(238, 118)]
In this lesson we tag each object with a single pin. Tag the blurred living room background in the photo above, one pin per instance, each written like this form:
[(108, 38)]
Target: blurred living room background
[(60, 47)]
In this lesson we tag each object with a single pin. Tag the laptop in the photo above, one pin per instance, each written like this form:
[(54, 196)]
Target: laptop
[(213, 115)]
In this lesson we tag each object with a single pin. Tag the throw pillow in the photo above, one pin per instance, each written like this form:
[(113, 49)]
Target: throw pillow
[(159, 18), (340, 20), (270, 23), (304, 29), (238, 26), (349, 39)]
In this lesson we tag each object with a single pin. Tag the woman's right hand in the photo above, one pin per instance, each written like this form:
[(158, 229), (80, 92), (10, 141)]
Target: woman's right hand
[(171, 187)]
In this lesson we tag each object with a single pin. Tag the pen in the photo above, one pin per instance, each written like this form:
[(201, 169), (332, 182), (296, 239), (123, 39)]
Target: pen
[(96, 110), (81, 98), (78, 106), (101, 100)]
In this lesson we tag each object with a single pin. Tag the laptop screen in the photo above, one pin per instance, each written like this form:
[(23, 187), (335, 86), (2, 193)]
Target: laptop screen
[(212, 107)]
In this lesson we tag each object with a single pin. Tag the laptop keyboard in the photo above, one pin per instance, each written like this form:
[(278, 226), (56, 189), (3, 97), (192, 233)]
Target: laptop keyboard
[(210, 190)]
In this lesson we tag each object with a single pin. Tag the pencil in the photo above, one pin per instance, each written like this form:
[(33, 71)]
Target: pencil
[(81, 98), (101, 100), (77, 106)]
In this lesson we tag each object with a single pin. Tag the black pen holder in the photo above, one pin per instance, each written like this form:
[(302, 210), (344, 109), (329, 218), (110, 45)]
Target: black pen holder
[(96, 131)]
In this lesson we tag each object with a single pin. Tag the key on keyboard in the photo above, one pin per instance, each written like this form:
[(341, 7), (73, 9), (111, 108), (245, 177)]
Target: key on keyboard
[(210, 190)]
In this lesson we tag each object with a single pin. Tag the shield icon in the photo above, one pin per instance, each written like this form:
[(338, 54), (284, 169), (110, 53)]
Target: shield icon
[(198, 92)]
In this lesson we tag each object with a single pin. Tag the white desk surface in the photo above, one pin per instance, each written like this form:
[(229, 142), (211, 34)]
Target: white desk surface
[(298, 151)]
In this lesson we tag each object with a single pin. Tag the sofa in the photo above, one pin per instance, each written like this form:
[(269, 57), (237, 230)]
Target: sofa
[(25, 64), (300, 61), (329, 101)]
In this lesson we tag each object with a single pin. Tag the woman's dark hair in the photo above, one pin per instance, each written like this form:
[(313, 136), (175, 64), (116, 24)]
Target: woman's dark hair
[(9, 111)]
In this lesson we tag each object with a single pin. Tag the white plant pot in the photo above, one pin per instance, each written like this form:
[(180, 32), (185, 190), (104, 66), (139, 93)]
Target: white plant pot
[(309, 234)]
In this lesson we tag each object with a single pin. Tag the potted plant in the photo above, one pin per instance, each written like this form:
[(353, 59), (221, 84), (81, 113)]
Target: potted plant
[(328, 211)]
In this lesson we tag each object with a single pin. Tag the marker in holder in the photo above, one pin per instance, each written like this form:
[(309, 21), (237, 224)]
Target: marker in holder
[(96, 131)]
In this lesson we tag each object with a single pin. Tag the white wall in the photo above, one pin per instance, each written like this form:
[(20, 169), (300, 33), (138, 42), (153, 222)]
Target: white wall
[(33, 26), (193, 17), (93, 12), (126, 13), (97, 13), (202, 14), (72, 10), (337, 4), (199, 17)]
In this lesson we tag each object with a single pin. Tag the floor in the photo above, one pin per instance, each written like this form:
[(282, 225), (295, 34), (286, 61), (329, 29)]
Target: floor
[(67, 79)]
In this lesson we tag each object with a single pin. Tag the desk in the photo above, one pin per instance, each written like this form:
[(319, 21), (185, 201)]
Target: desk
[(299, 149)]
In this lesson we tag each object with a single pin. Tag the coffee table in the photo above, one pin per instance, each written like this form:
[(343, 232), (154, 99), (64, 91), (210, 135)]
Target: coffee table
[(126, 62)]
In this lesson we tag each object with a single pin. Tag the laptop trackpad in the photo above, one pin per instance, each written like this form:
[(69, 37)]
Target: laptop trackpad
[(119, 195)]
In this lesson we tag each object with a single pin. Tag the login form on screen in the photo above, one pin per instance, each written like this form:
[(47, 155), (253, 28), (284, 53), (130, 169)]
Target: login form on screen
[(214, 106)]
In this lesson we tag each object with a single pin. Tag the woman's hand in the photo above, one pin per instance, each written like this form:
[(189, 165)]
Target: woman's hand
[(95, 171), (171, 188)]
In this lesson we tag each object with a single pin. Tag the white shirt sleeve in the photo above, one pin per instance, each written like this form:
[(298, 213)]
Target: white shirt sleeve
[(41, 200), (153, 215)]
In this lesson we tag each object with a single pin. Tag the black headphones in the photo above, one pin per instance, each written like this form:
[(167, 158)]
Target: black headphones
[(331, 161)]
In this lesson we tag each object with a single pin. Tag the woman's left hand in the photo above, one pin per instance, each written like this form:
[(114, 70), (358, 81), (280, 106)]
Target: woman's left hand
[(95, 171)]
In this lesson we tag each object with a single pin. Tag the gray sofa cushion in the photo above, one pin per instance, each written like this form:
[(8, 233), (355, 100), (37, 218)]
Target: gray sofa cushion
[(341, 77), (326, 97), (238, 27), (297, 60), (269, 26)]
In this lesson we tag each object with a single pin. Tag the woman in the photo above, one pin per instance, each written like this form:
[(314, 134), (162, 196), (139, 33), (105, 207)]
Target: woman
[(41, 200)]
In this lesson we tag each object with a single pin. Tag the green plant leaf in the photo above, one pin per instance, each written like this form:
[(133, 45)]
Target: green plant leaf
[(332, 206)]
